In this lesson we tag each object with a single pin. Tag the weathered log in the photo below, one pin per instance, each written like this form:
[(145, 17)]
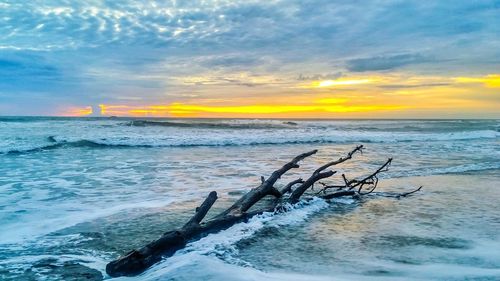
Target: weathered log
[(137, 261)]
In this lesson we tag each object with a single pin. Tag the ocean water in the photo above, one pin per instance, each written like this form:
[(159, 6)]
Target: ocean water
[(76, 193)]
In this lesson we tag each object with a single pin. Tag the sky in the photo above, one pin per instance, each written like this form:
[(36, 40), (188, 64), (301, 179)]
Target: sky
[(251, 59)]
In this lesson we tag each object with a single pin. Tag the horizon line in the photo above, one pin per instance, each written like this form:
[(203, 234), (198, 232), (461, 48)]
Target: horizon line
[(236, 118)]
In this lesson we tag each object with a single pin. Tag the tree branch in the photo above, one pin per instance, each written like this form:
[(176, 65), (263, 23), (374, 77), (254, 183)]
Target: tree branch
[(341, 159), (266, 188), (202, 211), (136, 261), (289, 186), (318, 174)]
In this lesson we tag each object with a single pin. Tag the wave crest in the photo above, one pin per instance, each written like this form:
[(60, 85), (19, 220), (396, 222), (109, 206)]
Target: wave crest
[(211, 125), (231, 138)]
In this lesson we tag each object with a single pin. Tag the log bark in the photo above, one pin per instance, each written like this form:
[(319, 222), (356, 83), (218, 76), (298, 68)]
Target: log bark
[(266, 188), (136, 261)]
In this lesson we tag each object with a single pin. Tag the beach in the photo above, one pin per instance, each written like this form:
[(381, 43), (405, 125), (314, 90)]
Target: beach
[(75, 193)]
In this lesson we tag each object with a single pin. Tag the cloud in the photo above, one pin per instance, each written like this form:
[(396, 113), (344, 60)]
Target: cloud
[(14, 68), (228, 61), (421, 85), (93, 52), (330, 76), (28, 73), (384, 62)]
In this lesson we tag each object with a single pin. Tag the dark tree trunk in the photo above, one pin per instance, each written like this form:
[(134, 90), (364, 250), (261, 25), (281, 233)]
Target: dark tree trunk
[(136, 261)]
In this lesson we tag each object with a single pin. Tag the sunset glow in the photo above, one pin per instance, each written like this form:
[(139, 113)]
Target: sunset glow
[(492, 81), (75, 111), (389, 95), (192, 110)]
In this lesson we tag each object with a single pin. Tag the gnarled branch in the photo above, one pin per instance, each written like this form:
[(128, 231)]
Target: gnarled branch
[(318, 174), (137, 261)]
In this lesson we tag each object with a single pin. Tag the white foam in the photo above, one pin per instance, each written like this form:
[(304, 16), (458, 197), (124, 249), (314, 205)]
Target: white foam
[(193, 266), (197, 266), (93, 260), (242, 137), (222, 244), (114, 133), (62, 217)]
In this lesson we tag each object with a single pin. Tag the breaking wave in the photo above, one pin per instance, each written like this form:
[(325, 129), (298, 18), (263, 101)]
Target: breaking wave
[(55, 145), (212, 125), (231, 138)]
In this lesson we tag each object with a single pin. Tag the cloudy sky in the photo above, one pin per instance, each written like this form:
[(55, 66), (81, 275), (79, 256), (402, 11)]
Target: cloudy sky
[(323, 58)]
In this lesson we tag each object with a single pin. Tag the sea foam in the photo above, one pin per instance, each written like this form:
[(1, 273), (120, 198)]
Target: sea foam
[(188, 138)]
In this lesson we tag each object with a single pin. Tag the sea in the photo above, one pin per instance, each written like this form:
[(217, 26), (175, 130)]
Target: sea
[(76, 193)]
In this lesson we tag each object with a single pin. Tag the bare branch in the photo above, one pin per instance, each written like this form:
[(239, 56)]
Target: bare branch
[(289, 186), (347, 184), (202, 211), (411, 192), (295, 196), (340, 160), (266, 188), (275, 192), (371, 179), (319, 174), (339, 194), (136, 261)]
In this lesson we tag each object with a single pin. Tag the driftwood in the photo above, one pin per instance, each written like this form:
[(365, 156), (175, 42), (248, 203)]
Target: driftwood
[(136, 261)]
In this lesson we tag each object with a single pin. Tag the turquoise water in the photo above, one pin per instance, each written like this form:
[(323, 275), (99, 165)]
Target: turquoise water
[(76, 193)]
